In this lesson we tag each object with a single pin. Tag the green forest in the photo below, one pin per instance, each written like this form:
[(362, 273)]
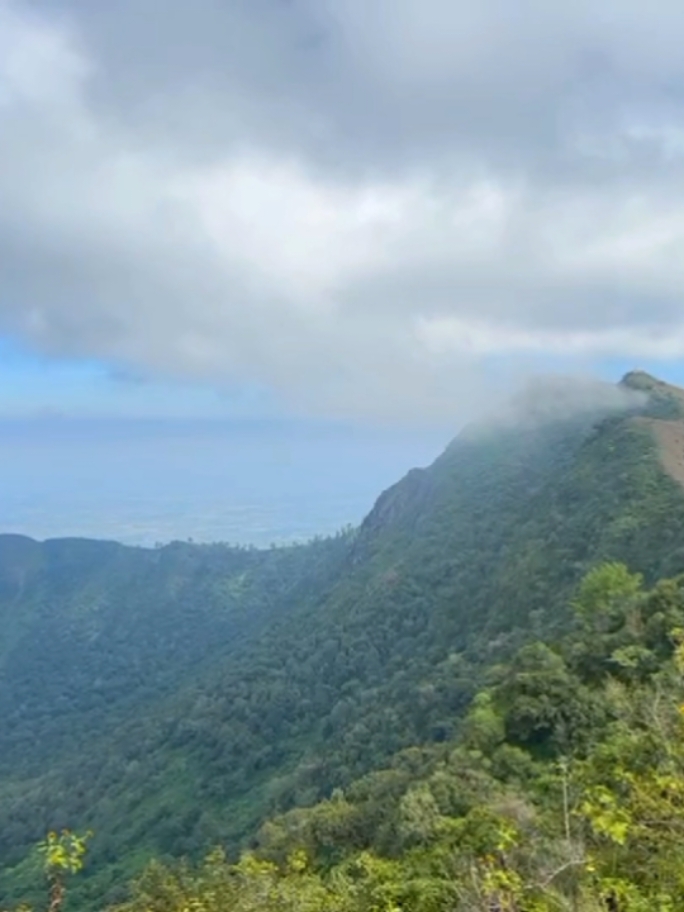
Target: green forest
[(563, 790), (473, 701)]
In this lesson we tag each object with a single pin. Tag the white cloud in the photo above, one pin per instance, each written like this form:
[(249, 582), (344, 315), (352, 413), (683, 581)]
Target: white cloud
[(444, 335), (357, 204)]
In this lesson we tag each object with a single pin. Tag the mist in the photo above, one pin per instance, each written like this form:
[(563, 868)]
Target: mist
[(558, 397)]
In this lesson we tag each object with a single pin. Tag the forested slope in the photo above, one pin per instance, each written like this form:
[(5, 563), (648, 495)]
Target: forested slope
[(249, 683), (91, 631), (563, 791)]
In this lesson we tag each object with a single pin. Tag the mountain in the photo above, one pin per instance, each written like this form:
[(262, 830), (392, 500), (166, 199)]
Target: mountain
[(175, 698)]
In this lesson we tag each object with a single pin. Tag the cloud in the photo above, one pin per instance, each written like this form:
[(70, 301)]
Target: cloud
[(362, 205), (557, 397)]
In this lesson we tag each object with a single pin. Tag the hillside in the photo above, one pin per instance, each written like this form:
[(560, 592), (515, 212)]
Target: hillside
[(562, 791), (174, 698), (92, 631)]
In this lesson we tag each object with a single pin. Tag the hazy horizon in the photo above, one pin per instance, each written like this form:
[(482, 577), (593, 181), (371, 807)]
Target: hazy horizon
[(145, 481)]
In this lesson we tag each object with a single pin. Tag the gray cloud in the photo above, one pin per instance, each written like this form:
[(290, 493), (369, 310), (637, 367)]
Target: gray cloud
[(362, 204)]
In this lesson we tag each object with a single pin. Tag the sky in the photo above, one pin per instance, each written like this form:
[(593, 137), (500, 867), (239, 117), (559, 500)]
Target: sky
[(360, 210)]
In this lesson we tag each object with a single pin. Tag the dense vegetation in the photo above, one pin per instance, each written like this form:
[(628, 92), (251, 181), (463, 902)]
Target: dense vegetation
[(219, 687), (564, 790), (93, 631)]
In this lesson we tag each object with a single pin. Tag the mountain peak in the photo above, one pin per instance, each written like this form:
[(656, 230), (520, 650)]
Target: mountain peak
[(647, 383), (665, 400)]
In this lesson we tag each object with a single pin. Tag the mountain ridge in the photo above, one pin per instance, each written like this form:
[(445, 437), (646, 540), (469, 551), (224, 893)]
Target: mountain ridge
[(348, 650)]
